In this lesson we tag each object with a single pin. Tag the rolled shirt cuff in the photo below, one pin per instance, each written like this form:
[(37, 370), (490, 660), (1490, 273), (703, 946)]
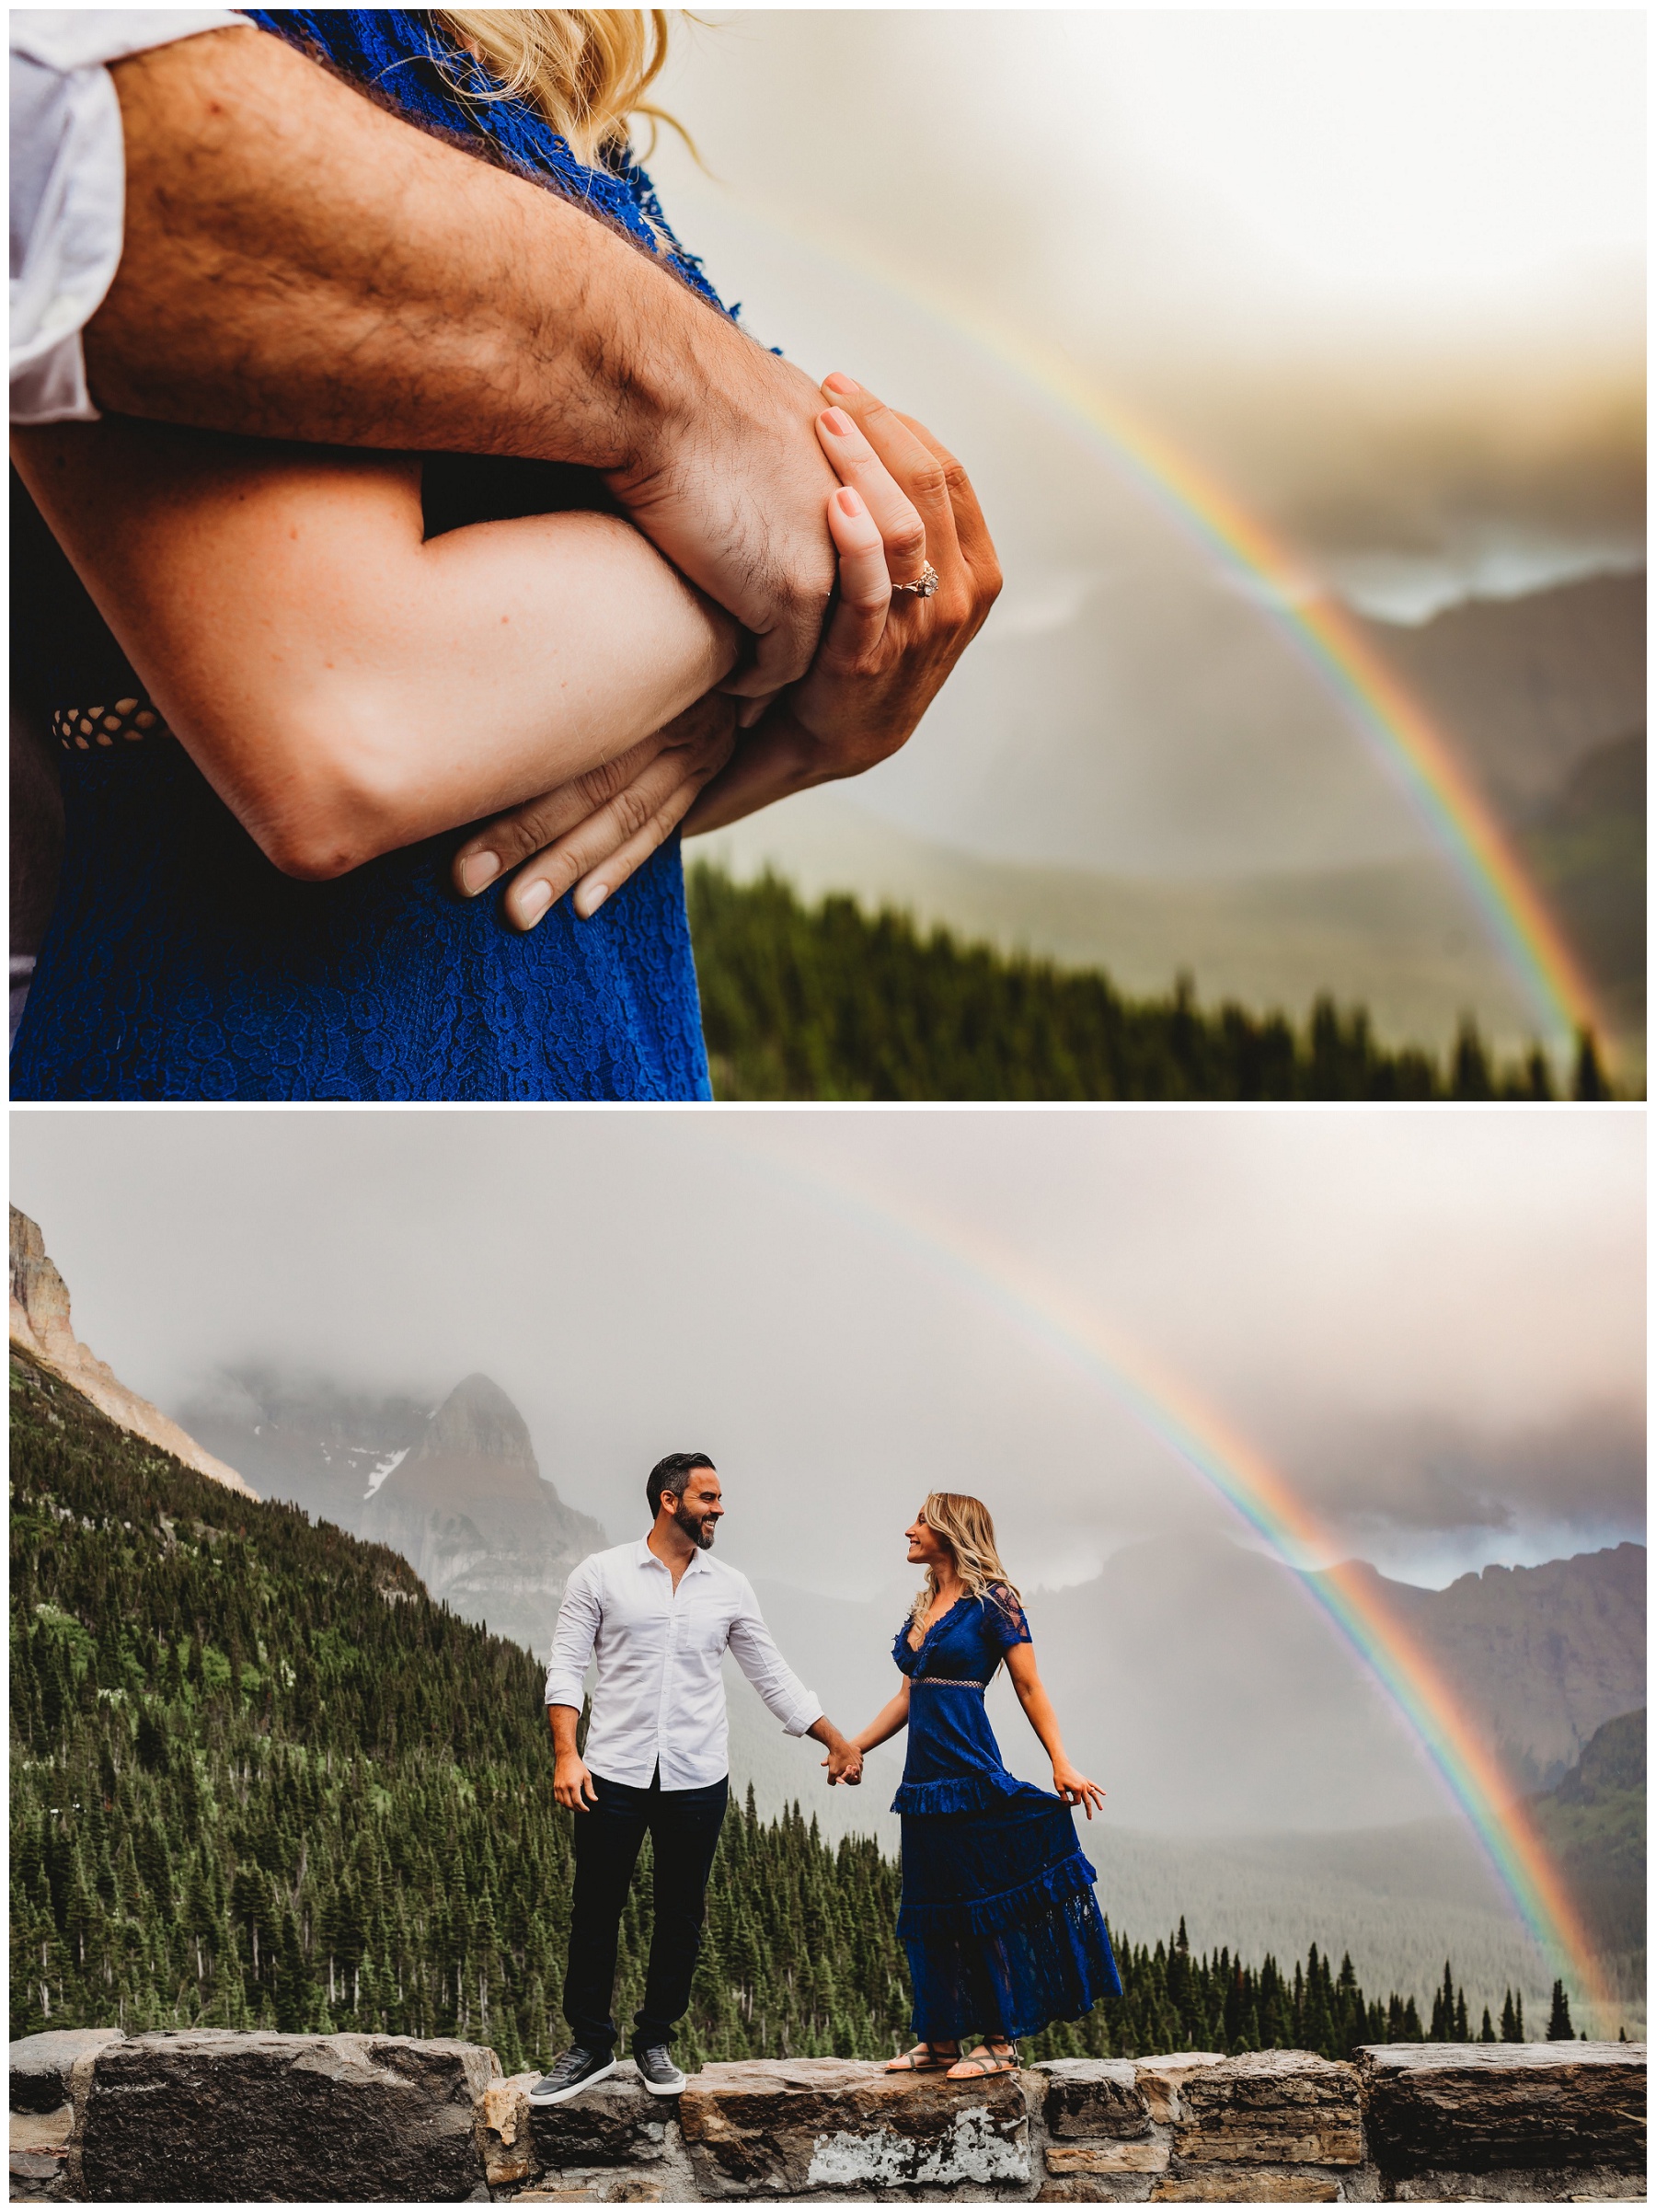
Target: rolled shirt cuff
[(800, 1717), (565, 1688)]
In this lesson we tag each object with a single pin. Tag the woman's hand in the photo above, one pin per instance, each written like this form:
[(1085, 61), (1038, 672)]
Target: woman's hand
[(905, 501), (598, 829), (1074, 1789)]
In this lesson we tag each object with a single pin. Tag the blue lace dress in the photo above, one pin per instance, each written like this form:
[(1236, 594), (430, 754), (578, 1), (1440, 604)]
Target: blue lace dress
[(180, 964), (998, 1919)]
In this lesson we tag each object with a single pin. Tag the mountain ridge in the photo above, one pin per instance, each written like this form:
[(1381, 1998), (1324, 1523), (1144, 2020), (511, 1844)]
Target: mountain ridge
[(41, 1327)]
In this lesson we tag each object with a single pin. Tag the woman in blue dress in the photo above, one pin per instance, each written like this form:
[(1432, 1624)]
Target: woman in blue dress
[(286, 681), (999, 1917)]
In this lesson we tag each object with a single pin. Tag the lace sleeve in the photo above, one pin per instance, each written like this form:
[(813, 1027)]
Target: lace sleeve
[(1005, 1622)]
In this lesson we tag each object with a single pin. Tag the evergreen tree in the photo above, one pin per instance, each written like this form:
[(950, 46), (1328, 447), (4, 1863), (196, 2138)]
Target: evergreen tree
[(1559, 2029)]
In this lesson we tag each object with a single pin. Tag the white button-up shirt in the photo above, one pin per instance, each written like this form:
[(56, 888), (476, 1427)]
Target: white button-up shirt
[(68, 186), (660, 1697)]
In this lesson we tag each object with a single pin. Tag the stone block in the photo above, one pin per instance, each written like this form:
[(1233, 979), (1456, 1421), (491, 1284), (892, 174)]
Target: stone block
[(504, 2133), (1246, 2185), (217, 2116), (1539, 2186), (1094, 2097), (606, 2188), (40, 2151), (615, 2123), (1107, 2158), (1159, 2080), (1096, 2189), (40, 2064), (771, 2127), (1476, 2107), (1270, 2108)]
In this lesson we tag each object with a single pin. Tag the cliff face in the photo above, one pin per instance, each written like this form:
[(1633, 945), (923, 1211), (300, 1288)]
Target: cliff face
[(41, 1326), (467, 1508)]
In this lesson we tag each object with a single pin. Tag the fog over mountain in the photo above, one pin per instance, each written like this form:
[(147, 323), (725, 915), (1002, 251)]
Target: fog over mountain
[(1432, 1325)]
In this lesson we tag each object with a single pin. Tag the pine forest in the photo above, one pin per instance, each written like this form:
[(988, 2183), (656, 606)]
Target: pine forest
[(827, 1002), (260, 1779)]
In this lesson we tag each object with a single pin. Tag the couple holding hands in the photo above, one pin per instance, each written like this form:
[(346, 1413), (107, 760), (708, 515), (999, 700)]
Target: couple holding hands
[(998, 1919)]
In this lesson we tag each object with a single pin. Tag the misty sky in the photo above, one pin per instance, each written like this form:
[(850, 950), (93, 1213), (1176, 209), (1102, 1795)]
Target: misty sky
[(1380, 273), (1385, 267), (1432, 1323)]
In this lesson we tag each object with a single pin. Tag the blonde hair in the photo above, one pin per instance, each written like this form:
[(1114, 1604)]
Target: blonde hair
[(964, 1525), (586, 69)]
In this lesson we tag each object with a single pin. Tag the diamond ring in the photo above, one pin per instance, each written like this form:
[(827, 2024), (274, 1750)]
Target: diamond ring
[(923, 585)]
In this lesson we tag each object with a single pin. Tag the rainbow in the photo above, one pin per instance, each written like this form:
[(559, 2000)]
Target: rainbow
[(1318, 628), (1340, 653), (1172, 1411)]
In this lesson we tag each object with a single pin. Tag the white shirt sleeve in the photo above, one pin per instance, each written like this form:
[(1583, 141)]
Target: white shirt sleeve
[(579, 1619), (68, 187), (756, 1654)]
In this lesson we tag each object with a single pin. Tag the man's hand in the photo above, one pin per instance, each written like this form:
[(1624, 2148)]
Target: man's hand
[(298, 263), (572, 1783), (843, 1761), (884, 657), (732, 491), (598, 829)]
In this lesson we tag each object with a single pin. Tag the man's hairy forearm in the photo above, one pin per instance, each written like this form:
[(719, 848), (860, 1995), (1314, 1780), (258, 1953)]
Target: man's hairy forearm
[(299, 264)]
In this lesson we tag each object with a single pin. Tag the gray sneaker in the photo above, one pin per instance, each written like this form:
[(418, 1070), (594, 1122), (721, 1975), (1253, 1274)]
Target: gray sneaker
[(659, 2075), (576, 2070)]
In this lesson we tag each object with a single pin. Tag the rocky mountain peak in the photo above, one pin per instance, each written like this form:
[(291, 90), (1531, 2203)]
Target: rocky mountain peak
[(43, 1330), (477, 1420)]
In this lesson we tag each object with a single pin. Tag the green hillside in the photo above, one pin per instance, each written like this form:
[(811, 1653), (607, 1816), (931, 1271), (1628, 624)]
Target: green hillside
[(1594, 1822), (259, 1778), (828, 1002)]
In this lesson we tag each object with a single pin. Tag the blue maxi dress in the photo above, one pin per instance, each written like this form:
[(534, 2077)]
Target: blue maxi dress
[(1003, 1932), (180, 964)]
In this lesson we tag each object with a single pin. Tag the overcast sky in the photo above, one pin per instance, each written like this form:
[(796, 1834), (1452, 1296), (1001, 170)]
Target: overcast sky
[(1385, 267), (1432, 1323)]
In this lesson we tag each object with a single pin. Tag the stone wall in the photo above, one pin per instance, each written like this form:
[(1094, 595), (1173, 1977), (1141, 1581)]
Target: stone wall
[(215, 2117)]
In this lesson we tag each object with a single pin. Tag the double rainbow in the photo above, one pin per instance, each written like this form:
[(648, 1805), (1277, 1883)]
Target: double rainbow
[(1171, 1409)]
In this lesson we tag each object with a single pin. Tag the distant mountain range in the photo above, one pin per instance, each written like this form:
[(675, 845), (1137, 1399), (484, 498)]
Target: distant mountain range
[(1544, 1656)]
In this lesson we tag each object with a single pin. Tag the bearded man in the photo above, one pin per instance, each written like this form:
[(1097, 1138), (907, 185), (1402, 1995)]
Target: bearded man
[(658, 1615)]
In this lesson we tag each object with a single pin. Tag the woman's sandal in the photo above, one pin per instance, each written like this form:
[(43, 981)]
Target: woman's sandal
[(923, 2059), (979, 2065)]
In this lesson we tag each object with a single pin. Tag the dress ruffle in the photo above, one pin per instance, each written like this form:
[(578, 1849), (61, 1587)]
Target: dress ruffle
[(959, 1793), (989, 1915)]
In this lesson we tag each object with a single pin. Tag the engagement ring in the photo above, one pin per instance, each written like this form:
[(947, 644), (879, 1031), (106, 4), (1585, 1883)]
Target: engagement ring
[(923, 585)]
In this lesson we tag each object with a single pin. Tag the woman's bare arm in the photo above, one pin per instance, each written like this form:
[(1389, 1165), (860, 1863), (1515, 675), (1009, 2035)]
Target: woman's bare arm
[(1071, 1784), (346, 686), (886, 1722)]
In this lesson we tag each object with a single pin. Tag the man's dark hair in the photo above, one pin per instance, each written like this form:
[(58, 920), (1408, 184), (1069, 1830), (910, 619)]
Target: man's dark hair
[(668, 1474)]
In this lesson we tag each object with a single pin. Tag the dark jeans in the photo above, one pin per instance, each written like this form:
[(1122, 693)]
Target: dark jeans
[(683, 1827)]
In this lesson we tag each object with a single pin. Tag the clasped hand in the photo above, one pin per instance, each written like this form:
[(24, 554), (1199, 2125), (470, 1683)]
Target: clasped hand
[(904, 503)]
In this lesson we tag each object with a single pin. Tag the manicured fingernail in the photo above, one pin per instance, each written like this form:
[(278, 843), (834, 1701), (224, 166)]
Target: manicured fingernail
[(837, 422), (848, 502), (587, 902), (840, 382), (477, 869), (533, 904)]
